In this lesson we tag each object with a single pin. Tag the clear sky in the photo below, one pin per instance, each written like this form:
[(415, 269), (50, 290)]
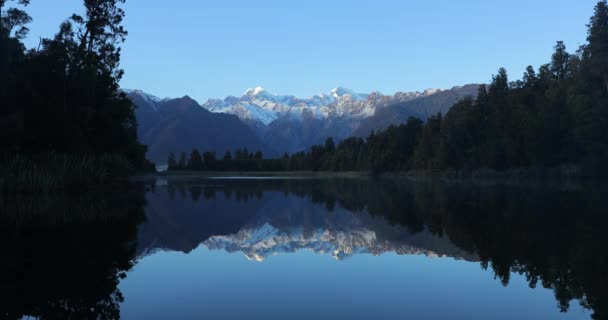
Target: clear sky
[(215, 48)]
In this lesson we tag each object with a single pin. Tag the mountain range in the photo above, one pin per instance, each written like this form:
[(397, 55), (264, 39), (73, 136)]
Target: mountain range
[(179, 125), (260, 120)]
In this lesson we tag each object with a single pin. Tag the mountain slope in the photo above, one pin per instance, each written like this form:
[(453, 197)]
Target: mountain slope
[(179, 125), (278, 123), (292, 124), (422, 108)]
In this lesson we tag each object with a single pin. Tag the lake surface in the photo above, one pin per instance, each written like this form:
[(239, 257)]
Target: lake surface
[(358, 248)]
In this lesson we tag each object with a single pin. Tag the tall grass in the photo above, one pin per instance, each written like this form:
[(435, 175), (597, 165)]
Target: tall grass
[(51, 172)]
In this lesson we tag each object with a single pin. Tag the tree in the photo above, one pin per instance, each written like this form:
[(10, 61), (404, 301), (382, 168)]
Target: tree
[(530, 79), (596, 51), (14, 19), (559, 61), (182, 161), (330, 145), (210, 160), (99, 33), (196, 161), (590, 100), (227, 156), (171, 162), (64, 96), (500, 84)]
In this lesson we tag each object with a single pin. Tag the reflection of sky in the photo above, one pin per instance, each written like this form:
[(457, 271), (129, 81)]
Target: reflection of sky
[(304, 285)]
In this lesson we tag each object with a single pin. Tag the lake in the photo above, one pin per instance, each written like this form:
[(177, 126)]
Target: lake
[(339, 248)]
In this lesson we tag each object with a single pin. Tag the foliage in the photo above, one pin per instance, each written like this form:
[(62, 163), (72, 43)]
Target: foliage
[(63, 97)]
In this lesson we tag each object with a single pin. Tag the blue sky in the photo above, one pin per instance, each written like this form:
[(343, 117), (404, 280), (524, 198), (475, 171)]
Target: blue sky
[(216, 48)]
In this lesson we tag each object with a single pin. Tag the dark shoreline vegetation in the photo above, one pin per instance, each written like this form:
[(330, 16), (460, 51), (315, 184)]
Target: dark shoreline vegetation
[(64, 122), (63, 256), (50, 172), (548, 124)]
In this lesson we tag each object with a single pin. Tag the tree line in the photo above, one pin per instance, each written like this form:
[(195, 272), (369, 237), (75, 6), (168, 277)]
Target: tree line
[(241, 160), (553, 117), (63, 97)]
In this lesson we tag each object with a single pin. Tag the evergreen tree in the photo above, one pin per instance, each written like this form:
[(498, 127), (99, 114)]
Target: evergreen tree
[(227, 156), (596, 51), (590, 101), (183, 162), (559, 61), (195, 162), (171, 162), (210, 160), (330, 145)]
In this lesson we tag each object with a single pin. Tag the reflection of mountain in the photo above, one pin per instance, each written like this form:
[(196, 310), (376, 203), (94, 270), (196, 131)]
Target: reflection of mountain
[(259, 243), (270, 223), (551, 234)]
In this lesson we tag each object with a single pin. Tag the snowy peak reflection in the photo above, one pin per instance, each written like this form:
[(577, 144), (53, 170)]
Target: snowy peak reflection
[(266, 218)]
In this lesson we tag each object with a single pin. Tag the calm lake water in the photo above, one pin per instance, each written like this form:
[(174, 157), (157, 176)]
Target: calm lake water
[(307, 249)]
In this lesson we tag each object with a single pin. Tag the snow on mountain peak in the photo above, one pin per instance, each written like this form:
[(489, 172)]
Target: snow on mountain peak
[(150, 99), (259, 241), (340, 92), (430, 92), (259, 105), (254, 91)]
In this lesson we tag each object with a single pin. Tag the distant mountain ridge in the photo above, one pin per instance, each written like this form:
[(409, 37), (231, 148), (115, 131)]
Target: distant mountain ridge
[(257, 104), (293, 124), (260, 120), (179, 125)]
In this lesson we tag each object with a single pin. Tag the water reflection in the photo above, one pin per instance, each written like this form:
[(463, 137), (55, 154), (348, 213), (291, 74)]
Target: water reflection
[(266, 218), (550, 234), (64, 257)]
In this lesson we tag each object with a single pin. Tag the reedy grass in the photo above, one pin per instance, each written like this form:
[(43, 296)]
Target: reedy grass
[(53, 172)]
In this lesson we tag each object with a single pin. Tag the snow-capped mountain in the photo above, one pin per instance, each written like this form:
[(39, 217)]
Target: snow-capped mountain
[(264, 241), (286, 123), (179, 125), (259, 105), (289, 123), (151, 100)]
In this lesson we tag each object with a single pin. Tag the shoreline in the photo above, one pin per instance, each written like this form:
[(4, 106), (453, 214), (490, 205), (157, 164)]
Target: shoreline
[(565, 178)]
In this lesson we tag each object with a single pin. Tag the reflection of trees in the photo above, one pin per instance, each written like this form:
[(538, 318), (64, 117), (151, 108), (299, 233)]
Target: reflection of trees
[(62, 258), (552, 236)]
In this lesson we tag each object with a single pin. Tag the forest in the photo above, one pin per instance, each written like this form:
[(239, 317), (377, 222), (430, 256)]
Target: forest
[(63, 120), (553, 118)]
